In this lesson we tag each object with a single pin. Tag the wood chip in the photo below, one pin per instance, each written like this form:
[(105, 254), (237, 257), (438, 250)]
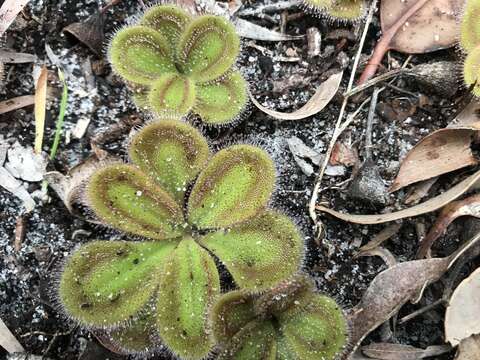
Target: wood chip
[(8, 341), (16, 103)]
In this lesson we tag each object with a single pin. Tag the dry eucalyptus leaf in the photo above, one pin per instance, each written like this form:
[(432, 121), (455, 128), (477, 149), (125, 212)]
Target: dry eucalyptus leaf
[(465, 207), (387, 351), (394, 287), (469, 116), (325, 92), (390, 290), (385, 254), (250, 30), (463, 311), (431, 28), (422, 208), (8, 341), (441, 152), (469, 348)]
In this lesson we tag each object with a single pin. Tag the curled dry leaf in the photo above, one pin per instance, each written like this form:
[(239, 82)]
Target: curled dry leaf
[(8, 341), (384, 235), (465, 207), (463, 311), (381, 252), (441, 152), (392, 288), (469, 348), (325, 92), (250, 30), (387, 351), (68, 187), (89, 32), (428, 206), (414, 27)]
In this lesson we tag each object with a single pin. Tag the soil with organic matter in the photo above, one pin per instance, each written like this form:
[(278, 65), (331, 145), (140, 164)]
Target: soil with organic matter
[(282, 76)]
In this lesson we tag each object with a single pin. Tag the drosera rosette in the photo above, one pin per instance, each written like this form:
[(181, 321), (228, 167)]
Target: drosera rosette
[(338, 10), (189, 208), (470, 43), (288, 321), (178, 62)]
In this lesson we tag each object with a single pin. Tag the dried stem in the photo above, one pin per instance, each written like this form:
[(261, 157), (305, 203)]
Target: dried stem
[(383, 45), (338, 125)]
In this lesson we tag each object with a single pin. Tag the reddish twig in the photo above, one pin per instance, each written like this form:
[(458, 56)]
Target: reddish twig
[(383, 45), (112, 3)]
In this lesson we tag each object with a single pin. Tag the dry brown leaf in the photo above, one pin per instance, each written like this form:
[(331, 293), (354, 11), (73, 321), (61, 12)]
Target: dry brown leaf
[(8, 341), (8, 13), (390, 290), (12, 57), (469, 348), (16, 103), (387, 351), (40, 108), (465, 207), (463, 311), (422, 208), (414, 26), (68, 187), (381, 252), (469, 116), (394, 287), (441, 152), (325, 92), (431, 28), (344, 155)]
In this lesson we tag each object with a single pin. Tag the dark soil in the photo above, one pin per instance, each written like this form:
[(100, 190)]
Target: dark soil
[(27, 276)]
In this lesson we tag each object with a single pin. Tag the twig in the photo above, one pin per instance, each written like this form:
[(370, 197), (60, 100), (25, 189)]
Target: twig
[(105, 8), (374, 81), (20, 230), (418, 312), (338, 125), (383, 45), (369, 127)]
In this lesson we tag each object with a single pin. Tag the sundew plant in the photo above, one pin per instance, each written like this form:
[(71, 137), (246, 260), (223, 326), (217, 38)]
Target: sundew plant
[(290, 321), (181, 63), (342, 10), (470, 43), (190, 209)]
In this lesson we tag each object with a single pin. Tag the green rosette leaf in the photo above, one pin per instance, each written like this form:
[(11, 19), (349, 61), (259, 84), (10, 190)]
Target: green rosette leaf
[(471, 70), (208, 48), (470, 26), (170, 152), (254, 341), (230, 314), (172, 93), (125, 198), (222, 101), (169, 20), (189, 285), (347, 10), (235, 186), (140, 54), (139, 336), (106, 283), (315, 328), (258, 253)]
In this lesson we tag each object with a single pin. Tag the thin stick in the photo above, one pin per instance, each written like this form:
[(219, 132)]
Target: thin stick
[(369, 127), (375, 80), (316, 189)]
